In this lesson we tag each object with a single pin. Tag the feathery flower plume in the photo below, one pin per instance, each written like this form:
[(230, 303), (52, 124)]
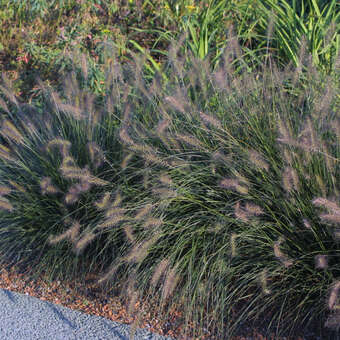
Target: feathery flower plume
[(117, 200), (69, 162), (140, 250), (220, 79), (96, 154), (114, 210), (263, 279), (109, 274), (84, 185), (332, 218), (74, 111), (146, 179), (129, 233), (257, 159), (162, 125), (177, 105), (9, 131), (239, 213), (133, 294), (112, 221), (5, 153), (152, 158), (193, 141), (165, 193), (285, 136), (16, 186), (47, 187), (143, 212), (5, 204), (287, 156), (334, 296), (306, 223), (56, 239), (321, 184), (219, 156), (4, 190), (126, 160), (233, 244), (63, 144), (170, 283), (165, 179), (83, 242), (72, 234), (210, 120), (321, 261), (229, 183), (173, 143), (124, 136), (3, 105), (308, 139), (290, 179), (94, 180), (71, 198), (324, 202), (253, 209), (160, 269), (153, 222), (280, 255)]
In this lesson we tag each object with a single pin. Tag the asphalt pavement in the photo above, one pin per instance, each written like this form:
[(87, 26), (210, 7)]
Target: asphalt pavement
[(23, 317)]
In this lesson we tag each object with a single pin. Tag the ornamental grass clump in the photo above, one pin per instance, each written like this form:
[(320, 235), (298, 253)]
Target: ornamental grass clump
[(69, 186), (236, 164), (215, 193)]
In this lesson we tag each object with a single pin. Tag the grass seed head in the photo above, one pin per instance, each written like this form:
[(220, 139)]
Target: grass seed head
[(5, 204), (4, 190), (290, 179), (152, 222), (253, 209), (104, 202), (321, 261), (112, 221), (126, 160), (210, 120), (9, 131), (257, 159), (233, 184), (233, 244), (83, 242), (96, 154), (307, 224), (162, 126), (263, 280), (47, 187), (333, 295), (327, 203), (5, 154), (144, 212), (170, 283), (140, 250), (240, 214), (17, 186), (129, 233), (159, 270), (125, 138), (332, 218)]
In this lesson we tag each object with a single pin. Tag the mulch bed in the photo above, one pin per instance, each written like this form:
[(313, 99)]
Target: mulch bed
[(91, 300)]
